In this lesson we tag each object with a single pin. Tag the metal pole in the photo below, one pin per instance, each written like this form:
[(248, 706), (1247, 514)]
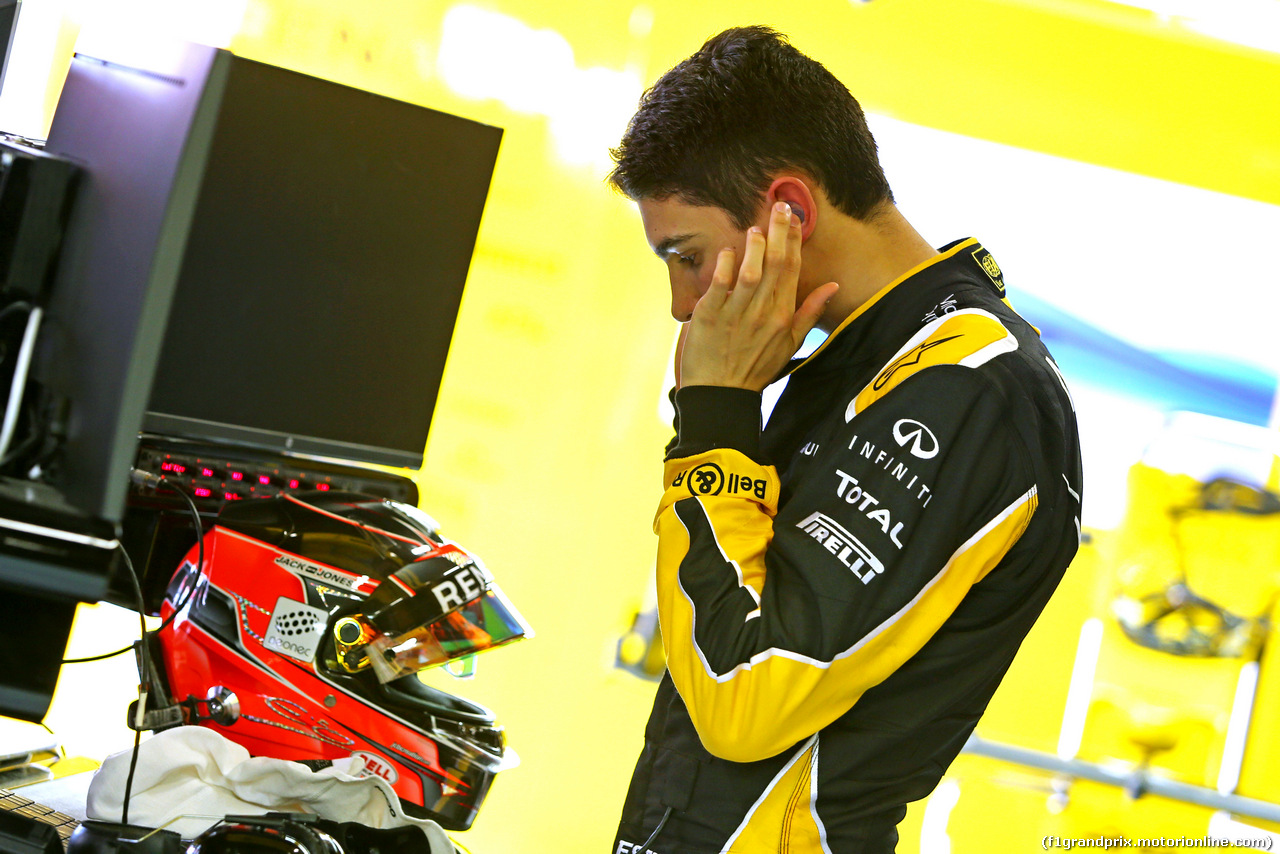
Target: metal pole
[(1139, 781)]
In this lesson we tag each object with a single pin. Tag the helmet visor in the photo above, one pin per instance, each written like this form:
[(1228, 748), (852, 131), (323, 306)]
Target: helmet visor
[(486, 622)]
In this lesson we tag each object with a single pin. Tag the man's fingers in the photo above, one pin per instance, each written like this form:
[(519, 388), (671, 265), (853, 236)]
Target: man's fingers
[(781, 260), (684, 333), (808, 314), (789, 274), (752, 269), (721, 280), (776, 255)]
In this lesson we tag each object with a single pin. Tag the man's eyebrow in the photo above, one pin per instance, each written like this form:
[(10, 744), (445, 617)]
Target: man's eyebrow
[(666, 246)]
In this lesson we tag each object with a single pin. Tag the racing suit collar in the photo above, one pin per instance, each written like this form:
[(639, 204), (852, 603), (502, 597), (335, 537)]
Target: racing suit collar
[(851, 335)]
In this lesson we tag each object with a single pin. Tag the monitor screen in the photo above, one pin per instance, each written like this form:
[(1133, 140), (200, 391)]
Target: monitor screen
[(323, 271), (8, 24)]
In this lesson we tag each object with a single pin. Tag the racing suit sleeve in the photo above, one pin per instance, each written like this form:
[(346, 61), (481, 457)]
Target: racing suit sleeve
[(776, 622)]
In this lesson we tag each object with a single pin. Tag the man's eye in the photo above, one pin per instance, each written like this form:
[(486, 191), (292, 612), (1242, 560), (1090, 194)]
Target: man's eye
[(686, 260)]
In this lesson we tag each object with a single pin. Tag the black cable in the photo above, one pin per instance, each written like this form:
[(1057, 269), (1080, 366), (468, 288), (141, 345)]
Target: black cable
[(195, 515), (24, 447), (644, 846), (146, 677), (128, 783), (101, 657)]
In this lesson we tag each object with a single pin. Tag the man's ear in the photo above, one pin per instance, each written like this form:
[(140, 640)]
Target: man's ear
[(795, 191)]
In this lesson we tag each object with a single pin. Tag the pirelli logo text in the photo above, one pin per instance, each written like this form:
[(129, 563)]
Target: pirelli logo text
[(710, 479), (847, 549)]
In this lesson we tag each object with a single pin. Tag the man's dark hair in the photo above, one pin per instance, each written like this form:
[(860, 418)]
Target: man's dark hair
[(716, 128)]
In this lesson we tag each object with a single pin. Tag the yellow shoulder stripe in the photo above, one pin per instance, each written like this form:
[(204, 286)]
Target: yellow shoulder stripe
[(779, 697), (875, 298), (968, 337)]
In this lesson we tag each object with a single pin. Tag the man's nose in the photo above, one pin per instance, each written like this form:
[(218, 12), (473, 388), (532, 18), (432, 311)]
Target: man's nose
[(684, 296)]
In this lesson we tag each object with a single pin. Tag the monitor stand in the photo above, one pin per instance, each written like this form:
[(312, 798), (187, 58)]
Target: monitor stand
[(51, 558)]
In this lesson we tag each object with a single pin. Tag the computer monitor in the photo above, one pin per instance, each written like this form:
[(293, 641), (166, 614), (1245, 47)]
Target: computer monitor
[(282, 255), (8, 25), (141, 132), (323, 272)]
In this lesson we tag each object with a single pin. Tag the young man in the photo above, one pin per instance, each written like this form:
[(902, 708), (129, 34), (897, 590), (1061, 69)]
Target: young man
[(841, 592)]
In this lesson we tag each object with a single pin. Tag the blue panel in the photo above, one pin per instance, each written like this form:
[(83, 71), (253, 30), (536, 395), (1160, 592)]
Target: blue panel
[(1169, 381)]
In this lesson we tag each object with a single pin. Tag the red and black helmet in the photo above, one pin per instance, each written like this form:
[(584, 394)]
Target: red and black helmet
[(317, 610)]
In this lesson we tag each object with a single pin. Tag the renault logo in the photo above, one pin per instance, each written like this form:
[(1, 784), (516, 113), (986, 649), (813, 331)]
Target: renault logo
[(923, 443)]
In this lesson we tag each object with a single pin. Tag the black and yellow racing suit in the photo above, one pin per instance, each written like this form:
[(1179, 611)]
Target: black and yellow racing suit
[(840, 594)]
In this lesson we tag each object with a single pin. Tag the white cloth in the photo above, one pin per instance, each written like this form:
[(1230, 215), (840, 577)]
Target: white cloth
[(193, 770)]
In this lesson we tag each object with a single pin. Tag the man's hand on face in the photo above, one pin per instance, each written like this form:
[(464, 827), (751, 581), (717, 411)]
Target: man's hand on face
[(743, 332), (684, 333)]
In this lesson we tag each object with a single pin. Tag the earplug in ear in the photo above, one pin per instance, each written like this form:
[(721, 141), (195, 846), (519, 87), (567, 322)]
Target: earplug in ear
[(799, 212)]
